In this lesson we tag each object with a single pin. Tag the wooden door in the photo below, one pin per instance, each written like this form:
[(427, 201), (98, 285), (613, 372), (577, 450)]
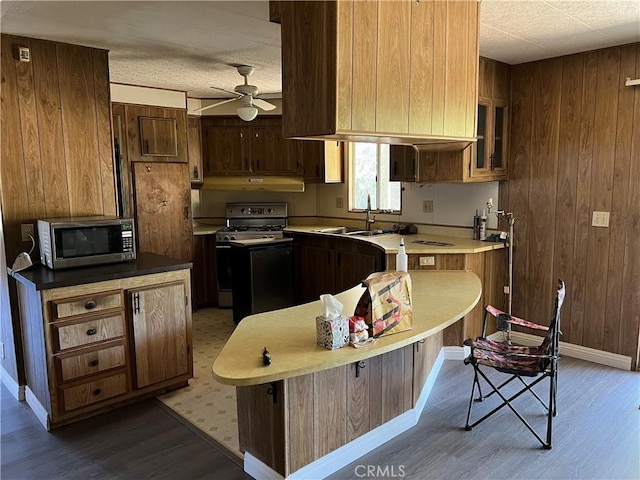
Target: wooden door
[(156, 134), (226, 150), (162, 196), (204, 273), (403, 163), (161, 339), (315, 272), (270, 152), (352, 268), (261, 425)]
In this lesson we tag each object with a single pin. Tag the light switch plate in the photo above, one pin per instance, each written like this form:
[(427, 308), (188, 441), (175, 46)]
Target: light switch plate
[(427, 206), (600, 219)]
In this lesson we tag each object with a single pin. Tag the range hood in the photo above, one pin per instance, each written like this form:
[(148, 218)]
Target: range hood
[(254, 183)]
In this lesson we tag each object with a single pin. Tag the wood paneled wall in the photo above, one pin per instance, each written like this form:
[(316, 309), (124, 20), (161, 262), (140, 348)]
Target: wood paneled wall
[(56, 149), (575, 149)]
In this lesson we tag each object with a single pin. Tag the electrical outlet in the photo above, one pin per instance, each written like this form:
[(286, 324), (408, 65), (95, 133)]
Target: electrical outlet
[(339, 202), (26, 229), (427, 261), (427, 206), (600, 219)]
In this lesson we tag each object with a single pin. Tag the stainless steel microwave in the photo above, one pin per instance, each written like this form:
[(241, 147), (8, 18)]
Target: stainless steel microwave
[(81, 241)]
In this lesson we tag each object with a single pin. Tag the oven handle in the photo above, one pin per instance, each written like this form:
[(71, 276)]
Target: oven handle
[(222, 246)]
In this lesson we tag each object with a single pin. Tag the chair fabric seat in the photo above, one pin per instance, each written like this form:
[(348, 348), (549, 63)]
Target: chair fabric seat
[(508, 358)]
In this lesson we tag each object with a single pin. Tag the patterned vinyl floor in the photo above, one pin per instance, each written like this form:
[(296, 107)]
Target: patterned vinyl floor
[(205, 403)]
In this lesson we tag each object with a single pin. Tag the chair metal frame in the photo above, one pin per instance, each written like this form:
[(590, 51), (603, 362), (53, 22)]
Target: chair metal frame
[(518, 361)]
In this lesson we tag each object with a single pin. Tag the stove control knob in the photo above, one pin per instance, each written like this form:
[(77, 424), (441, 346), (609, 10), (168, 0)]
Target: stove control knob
[(260, 211), (242, 210), (226, 238), (233, 237)]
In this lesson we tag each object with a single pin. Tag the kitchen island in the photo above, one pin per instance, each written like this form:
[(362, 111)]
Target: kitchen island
[(313, 410), (341, 260)]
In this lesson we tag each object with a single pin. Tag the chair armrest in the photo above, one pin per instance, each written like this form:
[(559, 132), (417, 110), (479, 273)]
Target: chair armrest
[(514, 320)]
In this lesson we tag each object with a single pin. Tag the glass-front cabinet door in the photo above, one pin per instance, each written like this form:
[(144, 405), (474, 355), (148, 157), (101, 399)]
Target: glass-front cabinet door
[(491, 149)]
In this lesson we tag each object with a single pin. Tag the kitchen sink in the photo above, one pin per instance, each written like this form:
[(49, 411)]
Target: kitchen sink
[(351, 231), (364, 233)]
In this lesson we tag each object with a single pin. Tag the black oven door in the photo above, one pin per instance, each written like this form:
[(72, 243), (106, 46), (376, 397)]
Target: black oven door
[(223, 267)]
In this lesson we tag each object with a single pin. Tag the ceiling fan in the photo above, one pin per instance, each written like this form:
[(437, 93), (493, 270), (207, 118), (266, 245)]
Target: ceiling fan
[(248, 96)]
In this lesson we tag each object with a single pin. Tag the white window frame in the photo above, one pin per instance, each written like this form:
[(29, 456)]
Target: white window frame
[(382, 163)]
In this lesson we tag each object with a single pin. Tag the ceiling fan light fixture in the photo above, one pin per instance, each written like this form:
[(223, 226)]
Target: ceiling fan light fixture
[(247, 113)]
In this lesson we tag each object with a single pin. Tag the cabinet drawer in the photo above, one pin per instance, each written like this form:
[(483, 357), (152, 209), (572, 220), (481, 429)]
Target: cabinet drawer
[(89, 331), (75, 366), (93, 392), (70, 307)]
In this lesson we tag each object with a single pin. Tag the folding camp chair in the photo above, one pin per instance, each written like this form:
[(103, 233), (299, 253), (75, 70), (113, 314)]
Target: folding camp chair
[(518, 362)]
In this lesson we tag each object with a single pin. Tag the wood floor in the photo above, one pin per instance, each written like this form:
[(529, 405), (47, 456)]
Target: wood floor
[(133, 442), (596, 436)]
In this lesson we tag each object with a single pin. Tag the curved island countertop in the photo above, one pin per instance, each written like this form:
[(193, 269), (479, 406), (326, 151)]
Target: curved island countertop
[(414, 244), (439, 299)]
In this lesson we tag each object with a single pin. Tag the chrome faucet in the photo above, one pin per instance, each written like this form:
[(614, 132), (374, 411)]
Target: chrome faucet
[(369, 218)]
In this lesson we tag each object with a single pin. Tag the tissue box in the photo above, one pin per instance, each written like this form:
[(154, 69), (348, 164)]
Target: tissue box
[(332, 333)]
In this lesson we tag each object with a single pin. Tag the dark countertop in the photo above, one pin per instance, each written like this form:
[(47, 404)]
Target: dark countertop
[(147, 263)]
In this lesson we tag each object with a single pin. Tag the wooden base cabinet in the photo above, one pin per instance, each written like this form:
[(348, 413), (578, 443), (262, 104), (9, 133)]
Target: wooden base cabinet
[(293, 422), (332, 265), (90, 347), (490, 266)]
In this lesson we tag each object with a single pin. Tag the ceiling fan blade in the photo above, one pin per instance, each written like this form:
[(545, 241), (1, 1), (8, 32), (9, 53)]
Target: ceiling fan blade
[(232, 92), (264, 105), (216, 104)]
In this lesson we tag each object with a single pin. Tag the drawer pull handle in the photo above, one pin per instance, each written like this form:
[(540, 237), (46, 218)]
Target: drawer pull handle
[(94, 363), (92, 331), (97, 391), (90, 305)]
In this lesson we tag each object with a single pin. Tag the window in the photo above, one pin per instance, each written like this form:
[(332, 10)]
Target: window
[(369, 175)]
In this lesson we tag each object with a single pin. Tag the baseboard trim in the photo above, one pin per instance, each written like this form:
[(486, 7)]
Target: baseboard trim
[(40, 412), (456, 353), (334, 461), (575, 351), (16, 390)]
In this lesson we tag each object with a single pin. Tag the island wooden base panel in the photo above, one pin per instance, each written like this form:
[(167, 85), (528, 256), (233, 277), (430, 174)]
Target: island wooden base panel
[(490, 266), (293, 422)]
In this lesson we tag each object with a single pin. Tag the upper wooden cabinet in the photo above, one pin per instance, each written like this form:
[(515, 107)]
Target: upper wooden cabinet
[(323, 161), (392, 71), (403, 163), (194, 143), (233, 147), (490, 154), (484, 160), (156, 134)]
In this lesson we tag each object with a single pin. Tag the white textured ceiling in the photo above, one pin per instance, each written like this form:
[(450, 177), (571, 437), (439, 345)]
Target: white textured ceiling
[(190, 46)]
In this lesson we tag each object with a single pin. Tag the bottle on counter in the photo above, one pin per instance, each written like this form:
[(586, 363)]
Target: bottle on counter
[(483, 225), (401, 257), (476, 226)]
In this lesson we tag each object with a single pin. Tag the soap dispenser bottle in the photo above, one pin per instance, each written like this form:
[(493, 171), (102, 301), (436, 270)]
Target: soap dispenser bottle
[(401, 257)]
